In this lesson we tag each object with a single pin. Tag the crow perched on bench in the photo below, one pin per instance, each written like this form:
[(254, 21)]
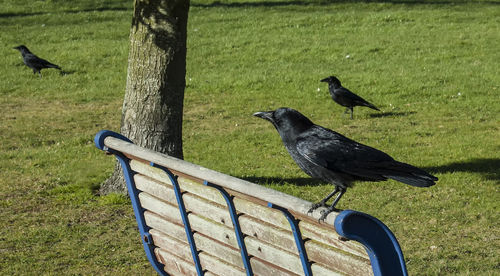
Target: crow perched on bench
[(329, 156), (34, 62), (344, 97)]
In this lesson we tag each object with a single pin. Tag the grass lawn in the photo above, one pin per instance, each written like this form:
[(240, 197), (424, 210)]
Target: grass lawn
[(430, 66)]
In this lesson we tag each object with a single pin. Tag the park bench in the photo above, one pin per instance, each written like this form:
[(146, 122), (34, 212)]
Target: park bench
[(196, 221)]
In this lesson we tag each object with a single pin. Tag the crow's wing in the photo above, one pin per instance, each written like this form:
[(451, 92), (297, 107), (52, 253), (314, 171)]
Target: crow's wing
[(338, 153), (352, 98), (36, 62)]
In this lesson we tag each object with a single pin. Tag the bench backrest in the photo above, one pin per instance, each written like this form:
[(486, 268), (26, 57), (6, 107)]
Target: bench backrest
[(196, 221)]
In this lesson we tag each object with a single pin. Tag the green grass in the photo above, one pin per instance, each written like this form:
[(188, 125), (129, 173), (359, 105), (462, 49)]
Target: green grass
[(431, 66)]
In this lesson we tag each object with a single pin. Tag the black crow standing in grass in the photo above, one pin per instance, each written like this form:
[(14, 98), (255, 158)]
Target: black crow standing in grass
[(331, 157), (344, 97), (34, 62)]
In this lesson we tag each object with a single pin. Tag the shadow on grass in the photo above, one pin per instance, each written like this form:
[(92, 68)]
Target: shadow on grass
[(487, 167), (26, 14), (244, 4), (299, 181), (67, 72), (391, 114)]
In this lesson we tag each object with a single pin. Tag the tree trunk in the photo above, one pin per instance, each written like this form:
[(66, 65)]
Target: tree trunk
[(153, 104)]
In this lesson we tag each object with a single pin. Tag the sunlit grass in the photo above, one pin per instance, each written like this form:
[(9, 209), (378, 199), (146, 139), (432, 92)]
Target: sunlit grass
[(430, 67)]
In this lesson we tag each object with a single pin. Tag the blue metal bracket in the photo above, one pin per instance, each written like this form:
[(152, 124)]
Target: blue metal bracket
[(237, 229), (147, 241), (381, 245), (294, 224), (184, 216)]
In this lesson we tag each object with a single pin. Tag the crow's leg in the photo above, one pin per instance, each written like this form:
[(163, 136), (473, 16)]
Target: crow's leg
[(352, 112), (332, 208), (322, 203)]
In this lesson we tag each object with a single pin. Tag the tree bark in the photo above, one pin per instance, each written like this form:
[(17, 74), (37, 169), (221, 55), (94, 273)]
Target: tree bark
[(153, 105)]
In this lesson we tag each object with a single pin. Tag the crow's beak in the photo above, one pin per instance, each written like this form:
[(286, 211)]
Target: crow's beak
[(324, 80), (267, 115)]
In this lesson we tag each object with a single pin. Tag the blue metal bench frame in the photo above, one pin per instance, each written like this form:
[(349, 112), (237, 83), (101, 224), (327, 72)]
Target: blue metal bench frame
[(380, 243)]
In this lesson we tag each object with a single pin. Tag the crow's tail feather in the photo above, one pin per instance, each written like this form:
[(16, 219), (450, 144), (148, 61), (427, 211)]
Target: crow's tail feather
[(367, 104), (410, 175), (51, 65), (414, 180)]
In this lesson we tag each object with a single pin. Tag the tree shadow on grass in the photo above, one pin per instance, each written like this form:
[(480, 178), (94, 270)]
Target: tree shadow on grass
[(97, 9), (244, 4), (487, 167)]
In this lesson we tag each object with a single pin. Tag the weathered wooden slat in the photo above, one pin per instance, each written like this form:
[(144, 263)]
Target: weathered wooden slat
[(173, 264), (175, 230), (337, 259), (218, 266), (261, 267), (226, 181), (319, 270), (273, 254), (159, 189), (262, 212), (160, 207), (268, 233), (218, 249), (171, 244), (326, 234), (215, 230)]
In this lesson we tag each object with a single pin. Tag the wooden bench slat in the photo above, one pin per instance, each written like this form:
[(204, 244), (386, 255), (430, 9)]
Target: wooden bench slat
[(218, 249), (156, 188), (337, 259), (328, 236), (268, 233), (172, 244), (273, 255), (319, 270), (175, 265), (175, 230), (218, 266), (160, 207), (261, 267), (216, 231)]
